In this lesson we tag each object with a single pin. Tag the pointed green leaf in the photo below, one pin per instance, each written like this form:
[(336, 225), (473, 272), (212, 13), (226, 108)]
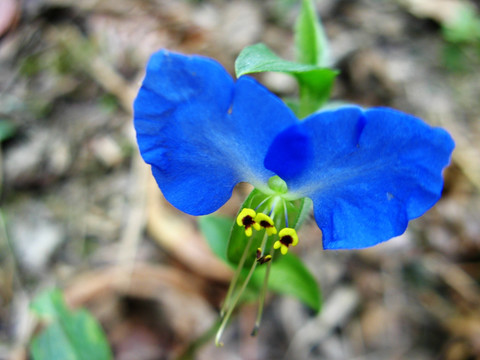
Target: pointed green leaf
[(315, 90), (216, 230), (49, 305), (259, 58), (289, 276), (69, 335), (53, 344), (464, 26), (310, 40), (315, 83), (7, 130)]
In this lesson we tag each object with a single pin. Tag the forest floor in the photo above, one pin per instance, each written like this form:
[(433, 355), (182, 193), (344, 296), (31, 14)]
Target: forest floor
[(81, 212)]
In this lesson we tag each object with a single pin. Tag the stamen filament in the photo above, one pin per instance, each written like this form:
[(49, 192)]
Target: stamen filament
[(235, 278), (273, 206), (238, 295), (285, 212), (261, 299), (263, 202)]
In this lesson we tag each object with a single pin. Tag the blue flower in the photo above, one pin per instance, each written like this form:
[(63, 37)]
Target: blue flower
[(368, 172)]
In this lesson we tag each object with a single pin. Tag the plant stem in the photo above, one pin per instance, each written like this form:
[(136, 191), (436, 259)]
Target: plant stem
[(237, 296), (261, 300), (235, 278)]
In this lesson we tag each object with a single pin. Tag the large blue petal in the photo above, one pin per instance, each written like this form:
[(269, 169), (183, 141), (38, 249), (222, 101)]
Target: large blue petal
[(370, 173), (290, 153), (201, 132)]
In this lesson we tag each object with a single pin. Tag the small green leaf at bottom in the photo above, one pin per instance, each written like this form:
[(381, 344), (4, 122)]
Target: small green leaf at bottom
[(68, 335)]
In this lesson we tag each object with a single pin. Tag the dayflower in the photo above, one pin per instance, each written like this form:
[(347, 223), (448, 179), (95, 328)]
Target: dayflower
[(368, 172)]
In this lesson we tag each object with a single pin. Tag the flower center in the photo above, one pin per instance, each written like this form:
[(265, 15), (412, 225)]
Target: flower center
[(265, 224), (248, 221), (286, 240)]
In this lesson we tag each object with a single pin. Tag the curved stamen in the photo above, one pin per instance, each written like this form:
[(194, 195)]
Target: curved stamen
[(261, 299), (285, 213), (263, 202), (237, 296), (266, 222), (287, 237), (236, 276), (275, 201)]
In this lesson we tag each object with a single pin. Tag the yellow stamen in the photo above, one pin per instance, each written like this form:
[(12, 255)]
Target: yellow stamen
[(287, 237), (264, 259), (246, 218), (265, 221)]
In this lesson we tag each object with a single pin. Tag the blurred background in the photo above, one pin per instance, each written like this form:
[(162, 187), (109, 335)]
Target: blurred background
[(81, 212)]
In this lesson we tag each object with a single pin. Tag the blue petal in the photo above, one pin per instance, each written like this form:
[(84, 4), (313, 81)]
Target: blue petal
[(201, 132), (372, 171), (290, 153)]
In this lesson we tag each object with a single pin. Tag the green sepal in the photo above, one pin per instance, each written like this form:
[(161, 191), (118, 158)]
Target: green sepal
[(68, 335), (311, 43), (289, 276), (315, 82)]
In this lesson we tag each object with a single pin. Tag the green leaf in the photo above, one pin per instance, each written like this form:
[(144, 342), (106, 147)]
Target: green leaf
[(69, 335), (315, 90), (289, 276), (216, 230), (259, 58), (49, 305), (315, 83), (465, 27), (7, 130), (310, 40)]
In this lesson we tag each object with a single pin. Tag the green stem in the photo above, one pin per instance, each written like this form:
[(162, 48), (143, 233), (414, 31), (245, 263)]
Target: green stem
[(261, 300), (307, 103), (235, 278), (237, 297), (189, 352), (230, 310)]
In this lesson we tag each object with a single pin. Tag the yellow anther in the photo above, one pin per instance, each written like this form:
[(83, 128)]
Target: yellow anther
[(266, 222), (264, 259), (246, 218), (287, 237)]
